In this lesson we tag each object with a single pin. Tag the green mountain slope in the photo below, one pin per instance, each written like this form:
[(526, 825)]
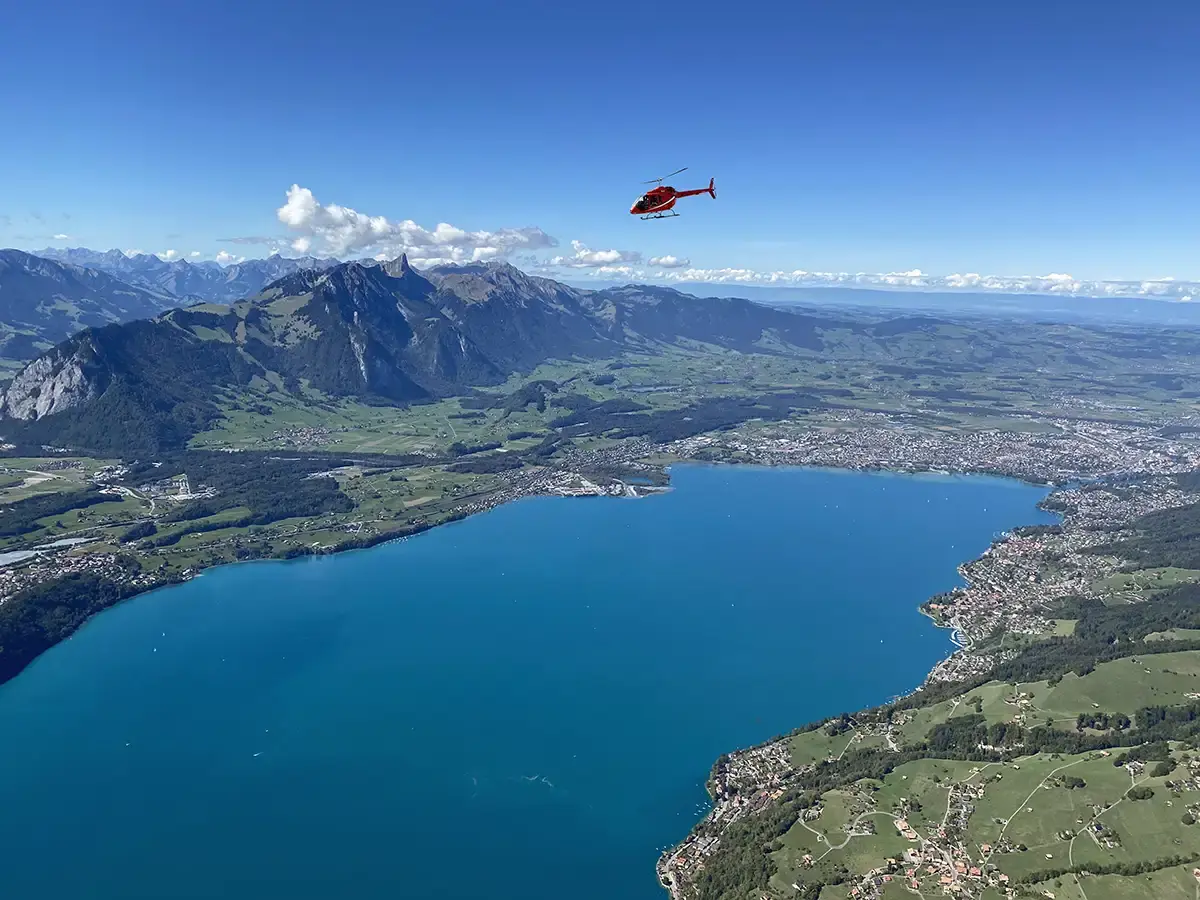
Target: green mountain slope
[(380, 333), (43, 302)]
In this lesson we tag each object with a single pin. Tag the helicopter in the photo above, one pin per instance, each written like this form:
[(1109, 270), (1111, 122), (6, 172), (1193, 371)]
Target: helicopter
[(659, 202)]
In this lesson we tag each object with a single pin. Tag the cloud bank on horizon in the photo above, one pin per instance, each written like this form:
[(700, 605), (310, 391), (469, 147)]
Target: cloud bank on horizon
[(1054, 284), (333, 231)]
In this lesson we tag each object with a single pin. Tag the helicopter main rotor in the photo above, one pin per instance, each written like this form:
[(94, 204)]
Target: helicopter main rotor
[(660, 180)]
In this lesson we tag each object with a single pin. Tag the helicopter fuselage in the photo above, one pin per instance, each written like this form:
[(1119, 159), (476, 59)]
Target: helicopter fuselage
[(657, 200), (663, 197)]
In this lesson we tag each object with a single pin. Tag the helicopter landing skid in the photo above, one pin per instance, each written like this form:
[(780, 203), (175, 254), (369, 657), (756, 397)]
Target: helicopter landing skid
[(662, 215)]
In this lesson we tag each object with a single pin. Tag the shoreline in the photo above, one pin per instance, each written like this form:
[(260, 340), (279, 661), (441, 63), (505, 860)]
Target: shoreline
[(676, 854), (566, 480), (559, 475), (763, 767), (881, 471), (856, 442)]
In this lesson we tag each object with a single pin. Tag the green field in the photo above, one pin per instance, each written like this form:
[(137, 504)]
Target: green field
[(1029, 818), (1025, 802), (1118, 686), (385, 499), (1176, 883), (265, 416), (1145, 582), (22, 477)]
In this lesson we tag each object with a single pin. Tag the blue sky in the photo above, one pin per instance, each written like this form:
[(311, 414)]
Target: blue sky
[(1015, 138)]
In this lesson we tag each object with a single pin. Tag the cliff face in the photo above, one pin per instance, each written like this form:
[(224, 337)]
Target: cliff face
[(520, 321), (51, 384), (359, 331)]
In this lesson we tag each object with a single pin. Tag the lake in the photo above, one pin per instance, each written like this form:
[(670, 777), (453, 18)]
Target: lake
[(523, 705)]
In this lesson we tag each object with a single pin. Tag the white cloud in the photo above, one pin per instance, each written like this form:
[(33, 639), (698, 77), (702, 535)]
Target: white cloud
[(168, 255), (669, 262), (226, 258), (1054, 283), (135, 252), (618, 272), (341, 231), (586, 258), (302, 245), (62, 237), (251, 239), (194, 254), (719, 276), (427, 262)]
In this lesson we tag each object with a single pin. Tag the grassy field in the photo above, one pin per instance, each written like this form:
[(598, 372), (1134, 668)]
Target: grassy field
[(265, 416), (1175, 634), (1027, 802), (347, 426), (1119, 686), (1027, 816), (22, 477), (1176, 883), (1122, 685), (813, 746), (386, 499), (1063, 627), (1134, 586)]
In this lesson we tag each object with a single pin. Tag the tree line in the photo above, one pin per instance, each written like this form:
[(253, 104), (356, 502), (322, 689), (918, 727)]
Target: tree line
[(1143, 867), (36, 618), (22, 517)]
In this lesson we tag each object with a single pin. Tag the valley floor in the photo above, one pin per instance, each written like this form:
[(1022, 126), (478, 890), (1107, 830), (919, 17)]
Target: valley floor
[(394, 499)]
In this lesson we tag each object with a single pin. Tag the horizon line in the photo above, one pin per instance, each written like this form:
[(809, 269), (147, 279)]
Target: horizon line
[(913, 282)]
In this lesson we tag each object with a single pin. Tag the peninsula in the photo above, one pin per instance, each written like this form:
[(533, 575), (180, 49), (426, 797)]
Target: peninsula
[(1053, 754)]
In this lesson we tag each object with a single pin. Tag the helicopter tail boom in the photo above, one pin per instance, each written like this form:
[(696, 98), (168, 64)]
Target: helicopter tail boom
[(710, 190)]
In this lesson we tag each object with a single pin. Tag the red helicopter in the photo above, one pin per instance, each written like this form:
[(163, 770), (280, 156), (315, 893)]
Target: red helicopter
[(658, 203)]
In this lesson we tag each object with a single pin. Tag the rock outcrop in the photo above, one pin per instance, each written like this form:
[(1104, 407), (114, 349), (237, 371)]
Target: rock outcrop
[(51, 384)]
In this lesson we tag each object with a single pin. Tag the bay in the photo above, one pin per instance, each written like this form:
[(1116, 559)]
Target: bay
[(523, 705)]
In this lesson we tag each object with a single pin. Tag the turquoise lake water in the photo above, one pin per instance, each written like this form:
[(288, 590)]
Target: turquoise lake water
[(520, 706)]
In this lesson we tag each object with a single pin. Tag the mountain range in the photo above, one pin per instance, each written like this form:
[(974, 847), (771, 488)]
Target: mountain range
[(43, 302), (188, 282), (47, 297), (378, 332)]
